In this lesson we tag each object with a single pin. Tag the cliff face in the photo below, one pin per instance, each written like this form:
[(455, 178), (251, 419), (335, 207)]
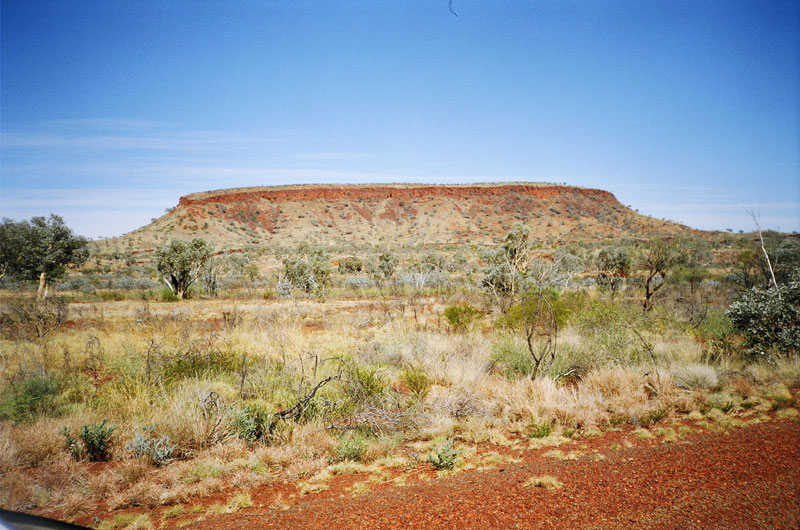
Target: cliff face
[(397, 215)]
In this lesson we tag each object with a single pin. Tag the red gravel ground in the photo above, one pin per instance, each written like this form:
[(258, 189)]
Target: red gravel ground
[(745, 478)]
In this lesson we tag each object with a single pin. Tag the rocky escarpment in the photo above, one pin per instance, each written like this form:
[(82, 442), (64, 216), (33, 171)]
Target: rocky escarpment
[(397, 215)]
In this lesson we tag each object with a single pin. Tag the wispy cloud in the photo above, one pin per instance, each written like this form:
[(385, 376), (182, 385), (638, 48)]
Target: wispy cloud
[(186, 141), (332, 156)]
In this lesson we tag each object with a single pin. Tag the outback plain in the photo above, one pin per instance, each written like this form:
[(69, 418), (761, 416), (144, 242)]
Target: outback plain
[(523, 354)]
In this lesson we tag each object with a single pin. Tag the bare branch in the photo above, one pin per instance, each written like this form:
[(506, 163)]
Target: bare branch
[(764, 250)]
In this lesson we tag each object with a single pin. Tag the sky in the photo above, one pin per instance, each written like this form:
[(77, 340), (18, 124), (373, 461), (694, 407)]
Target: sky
[(685, 110)]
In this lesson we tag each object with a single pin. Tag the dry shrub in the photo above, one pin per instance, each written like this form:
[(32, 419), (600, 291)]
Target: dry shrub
[(132, 471), (195, 415), (435, 425), (71, 504), (16, 491), (695, 377), (456, 404), (229, 450), (65, 474), (379, 448), (34, 444), (305, 468), (103, 484), (140, 494), (740, 383), (619, 388)]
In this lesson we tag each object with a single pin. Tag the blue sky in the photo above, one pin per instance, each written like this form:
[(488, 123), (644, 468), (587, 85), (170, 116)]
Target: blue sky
[(686, 110)]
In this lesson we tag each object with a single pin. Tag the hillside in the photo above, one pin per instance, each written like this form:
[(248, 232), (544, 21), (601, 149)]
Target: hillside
[(400, 214)]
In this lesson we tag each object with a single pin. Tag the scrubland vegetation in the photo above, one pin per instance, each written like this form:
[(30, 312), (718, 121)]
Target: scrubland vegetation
[(302, 364)]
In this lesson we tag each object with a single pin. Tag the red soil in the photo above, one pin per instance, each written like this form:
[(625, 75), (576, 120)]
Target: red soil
[(747, 478)]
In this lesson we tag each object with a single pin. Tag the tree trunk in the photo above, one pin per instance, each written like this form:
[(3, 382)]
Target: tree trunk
[(42, 292)]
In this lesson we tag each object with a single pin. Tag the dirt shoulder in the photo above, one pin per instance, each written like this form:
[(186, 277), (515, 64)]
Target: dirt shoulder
[(745, 478)]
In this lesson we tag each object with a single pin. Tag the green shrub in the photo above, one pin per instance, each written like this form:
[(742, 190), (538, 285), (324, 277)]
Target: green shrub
[(253, 421), (514, 359), (460, 318), (71, 443), (352, 446), (168, 296), (29, 398), (443, 456), (769, 319), (350, 265), (364, 382), (112, 296), (96, 438), (722, 401), (717, 335), (95, 441), (193, 363), (157, 449), (540, 430), (417, 381)]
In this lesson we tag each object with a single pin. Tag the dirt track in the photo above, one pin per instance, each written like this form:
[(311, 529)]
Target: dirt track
[(747, 478)]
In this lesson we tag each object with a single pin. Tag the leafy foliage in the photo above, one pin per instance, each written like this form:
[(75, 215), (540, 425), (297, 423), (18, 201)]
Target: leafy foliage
[(181, 262), (352, 446), (350, 265), (39, 246), (30, 398), (443, 456), (538, 317), (310, 271), (507, 266), (387, 264), (769, 319), (417, 381), (96, 440), (254, 421), (613, 266), (157, 449), (461, 317), (657, 258)]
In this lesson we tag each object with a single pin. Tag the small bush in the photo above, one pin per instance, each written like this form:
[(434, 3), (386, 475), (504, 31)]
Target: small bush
[(417, 381), (193, 363), (540, 430), (26, 318), (695, 377), (547, 482), (96, 438), (722, 401), (112, 296), (769, 319), (168, 296), (443, 456), (352, 447), (350, 265), (30, 398), (157, 449), (460, 318), (515, 361), (364, 383), (253, 421)]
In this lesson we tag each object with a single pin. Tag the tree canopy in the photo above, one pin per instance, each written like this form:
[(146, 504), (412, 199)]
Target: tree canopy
[(40, 248), (181, 262)]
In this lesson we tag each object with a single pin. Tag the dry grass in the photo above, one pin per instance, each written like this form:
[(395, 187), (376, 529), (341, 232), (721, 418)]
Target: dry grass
[(547, 482), (469, 400)]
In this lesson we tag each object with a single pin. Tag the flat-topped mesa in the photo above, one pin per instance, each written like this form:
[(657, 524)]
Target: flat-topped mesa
[(386, 191), (397, 215)]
